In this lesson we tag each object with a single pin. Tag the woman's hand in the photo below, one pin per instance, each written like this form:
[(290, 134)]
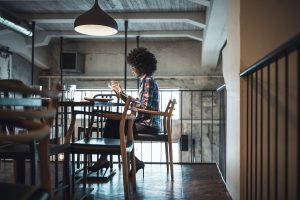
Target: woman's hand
[(115, 85)]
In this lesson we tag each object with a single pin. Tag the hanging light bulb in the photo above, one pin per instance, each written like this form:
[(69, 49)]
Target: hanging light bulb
[(95, 22)]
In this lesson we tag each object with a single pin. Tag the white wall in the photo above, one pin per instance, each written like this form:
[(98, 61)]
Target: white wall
[(174, 58), (179, 64), (21, 70), (231, 68)]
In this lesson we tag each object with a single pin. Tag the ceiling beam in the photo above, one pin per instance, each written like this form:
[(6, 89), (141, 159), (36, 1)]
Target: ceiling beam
[(195, 18), (215, 33), (202, 2), (42, 38)]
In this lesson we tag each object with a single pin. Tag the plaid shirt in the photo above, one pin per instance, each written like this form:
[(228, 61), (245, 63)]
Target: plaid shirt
[(148, 99)]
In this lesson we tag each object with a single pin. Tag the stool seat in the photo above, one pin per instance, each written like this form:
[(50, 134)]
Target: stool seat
[(55, 149), (94, 145), (161, 137)]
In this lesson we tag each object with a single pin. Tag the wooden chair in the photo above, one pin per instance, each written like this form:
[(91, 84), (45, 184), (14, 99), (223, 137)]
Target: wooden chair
[(25, 125), (122, 146), (101, 121), (165, 136)]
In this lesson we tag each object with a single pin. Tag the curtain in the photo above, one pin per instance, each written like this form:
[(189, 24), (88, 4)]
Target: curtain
[(5, 65)]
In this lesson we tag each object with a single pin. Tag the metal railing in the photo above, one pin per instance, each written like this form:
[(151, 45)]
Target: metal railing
[(222, 133), (195, 125), (271, 131)]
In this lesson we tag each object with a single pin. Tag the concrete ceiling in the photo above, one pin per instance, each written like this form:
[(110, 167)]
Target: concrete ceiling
[(200, 20)]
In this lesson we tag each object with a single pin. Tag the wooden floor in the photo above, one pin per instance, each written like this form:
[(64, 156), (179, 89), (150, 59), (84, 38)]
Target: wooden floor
[(192, 181)]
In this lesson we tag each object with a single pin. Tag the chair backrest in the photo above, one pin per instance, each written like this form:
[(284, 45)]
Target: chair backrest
[(103, 95), (114, 115), (22, 112), (114, 98), (168, 114), (122, 116)]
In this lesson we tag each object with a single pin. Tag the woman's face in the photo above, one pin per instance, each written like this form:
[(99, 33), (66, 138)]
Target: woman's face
[(135, 72)]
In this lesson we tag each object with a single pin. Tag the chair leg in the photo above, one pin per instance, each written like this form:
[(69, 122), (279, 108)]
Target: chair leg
[(45, 167), (73, 173), (119, 161), (56, 171), (33, 162), (84, 170), (133, 169), (78, 161), (167, 156), (171, 158), (125, 174), (66, 176), (19, 171), (111, 161), (90, 160), (128, 162)]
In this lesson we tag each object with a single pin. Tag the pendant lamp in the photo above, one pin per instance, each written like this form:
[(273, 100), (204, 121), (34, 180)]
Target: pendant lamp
[(95, 22)]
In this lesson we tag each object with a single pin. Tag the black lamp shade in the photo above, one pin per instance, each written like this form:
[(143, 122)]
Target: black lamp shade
[(95, 22)]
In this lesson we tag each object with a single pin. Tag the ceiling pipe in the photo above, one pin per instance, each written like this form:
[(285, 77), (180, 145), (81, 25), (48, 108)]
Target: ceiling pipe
[(15, 24)]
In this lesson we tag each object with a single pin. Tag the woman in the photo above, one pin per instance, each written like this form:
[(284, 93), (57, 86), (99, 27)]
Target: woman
[(143, 65)]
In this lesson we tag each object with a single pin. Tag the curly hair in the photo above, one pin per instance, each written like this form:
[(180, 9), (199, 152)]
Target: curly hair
[(143, 60)]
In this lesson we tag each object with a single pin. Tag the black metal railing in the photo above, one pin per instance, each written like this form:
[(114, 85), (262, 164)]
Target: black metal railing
[(195, 125), (199, 126), (271, 131), (222, 131)]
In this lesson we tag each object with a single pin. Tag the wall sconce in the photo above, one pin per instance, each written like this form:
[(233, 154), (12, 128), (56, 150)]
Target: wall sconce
[(95, 22)]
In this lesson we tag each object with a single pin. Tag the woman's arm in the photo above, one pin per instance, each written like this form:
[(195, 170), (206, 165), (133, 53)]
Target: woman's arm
[(123, 96), (147, 95)]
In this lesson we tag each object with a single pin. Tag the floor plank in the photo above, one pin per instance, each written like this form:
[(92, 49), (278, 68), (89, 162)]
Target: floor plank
[(192, 181)]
